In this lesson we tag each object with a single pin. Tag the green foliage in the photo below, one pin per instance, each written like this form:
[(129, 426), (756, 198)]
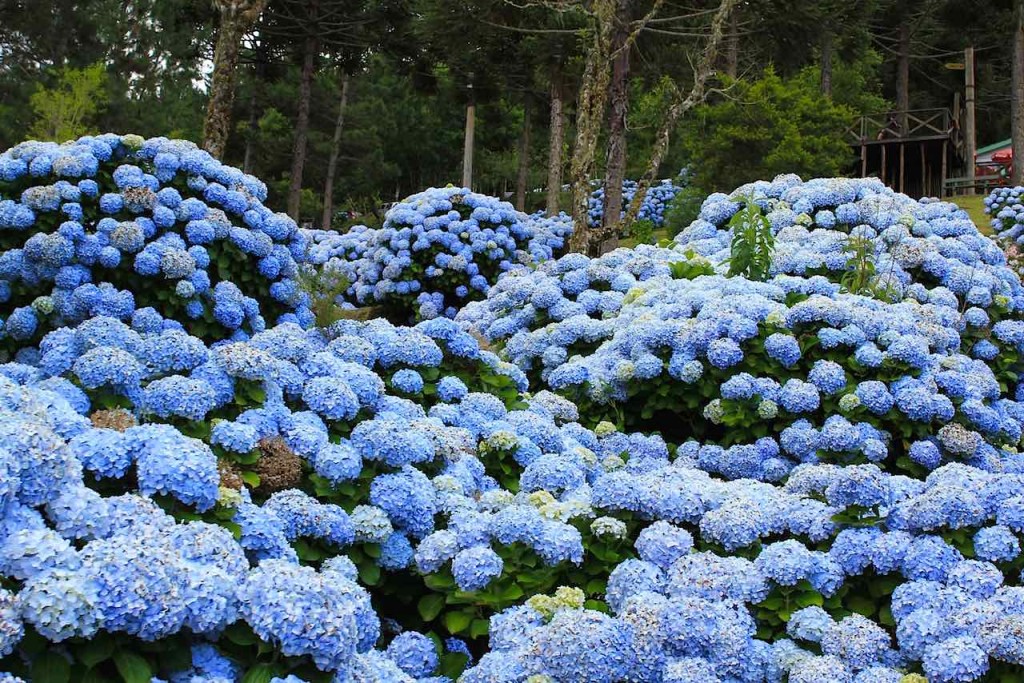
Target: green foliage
[(643, 232), (324, 287), (694, 266), (684, 208), (67, 110), (861, 276), (766, 127), (753, 243), (855, 83), (860, 264)]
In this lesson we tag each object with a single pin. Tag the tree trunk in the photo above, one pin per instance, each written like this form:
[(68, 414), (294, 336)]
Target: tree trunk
[(250, 133), (903, 76), (332, 164), (731, 63), (703, 71), (1017, 95), (254, 108), (467, 144), (556, 141), (615, 169), (591, 102), (826, 62), (302, 126), (524, 157), (236, 16)]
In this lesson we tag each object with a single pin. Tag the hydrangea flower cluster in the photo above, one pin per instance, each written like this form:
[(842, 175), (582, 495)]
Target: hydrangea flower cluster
[(653, 208), (109, 223), (918, 246), (571, 287), (436, 251), (829, 486), (1006, 208)]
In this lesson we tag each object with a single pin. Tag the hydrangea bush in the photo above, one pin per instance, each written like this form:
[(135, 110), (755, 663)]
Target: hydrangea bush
[(1006, 208), (436, 251), (805, 386), (111, 223), (768, 482), (653, 208)]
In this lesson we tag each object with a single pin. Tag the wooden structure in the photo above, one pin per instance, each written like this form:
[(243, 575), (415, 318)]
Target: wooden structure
[(913, 151)]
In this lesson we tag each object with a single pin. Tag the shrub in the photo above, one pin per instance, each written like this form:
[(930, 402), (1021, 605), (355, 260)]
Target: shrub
[(683, 209), (768, 125), (110, 224), (1005, 207), (883, 415), (437, 251), (837, 499), (656, 202)]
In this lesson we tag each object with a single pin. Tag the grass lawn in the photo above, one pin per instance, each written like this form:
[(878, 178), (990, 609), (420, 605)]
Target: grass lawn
[(974, 206)]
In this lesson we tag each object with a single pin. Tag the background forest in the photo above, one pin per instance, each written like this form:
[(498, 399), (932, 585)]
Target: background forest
[(792, 76)]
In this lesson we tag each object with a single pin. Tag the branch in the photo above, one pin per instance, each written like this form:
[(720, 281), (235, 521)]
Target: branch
[(639, 27), (703, 71)]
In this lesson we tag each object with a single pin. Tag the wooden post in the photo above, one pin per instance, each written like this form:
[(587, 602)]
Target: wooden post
[(883, 162), (1017, 96), (467, 147), (942, 178), (970, 140), (863, 160), (903, 147), (924, 173)]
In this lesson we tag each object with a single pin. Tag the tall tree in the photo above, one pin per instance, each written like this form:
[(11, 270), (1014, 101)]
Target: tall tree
[(68, 110), (680, 104), (1017, 94), (315, 27), (523, 173), (556, 140), (618, 110), (590, 107), (236, 17), (332, 164), (591, 102)]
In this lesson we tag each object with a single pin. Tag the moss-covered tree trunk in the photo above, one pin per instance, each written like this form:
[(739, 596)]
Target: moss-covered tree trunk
[(618, 110), (826, 61), (556, 140), (680, 104), (236, 17), (590, 107)]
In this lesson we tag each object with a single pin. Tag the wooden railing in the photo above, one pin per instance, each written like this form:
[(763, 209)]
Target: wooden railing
[(918, 123)]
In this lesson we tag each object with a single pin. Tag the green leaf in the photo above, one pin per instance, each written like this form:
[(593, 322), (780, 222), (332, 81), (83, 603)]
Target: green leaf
[(439, 582), (430, 606), (94, 651), (51, 667), (239, 633), (261, 673), (94, 676), (369, 573), (132, 667), (810, 598), (251, 478), (456, 622), (861, 605), (479, 628), (453, 664)]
